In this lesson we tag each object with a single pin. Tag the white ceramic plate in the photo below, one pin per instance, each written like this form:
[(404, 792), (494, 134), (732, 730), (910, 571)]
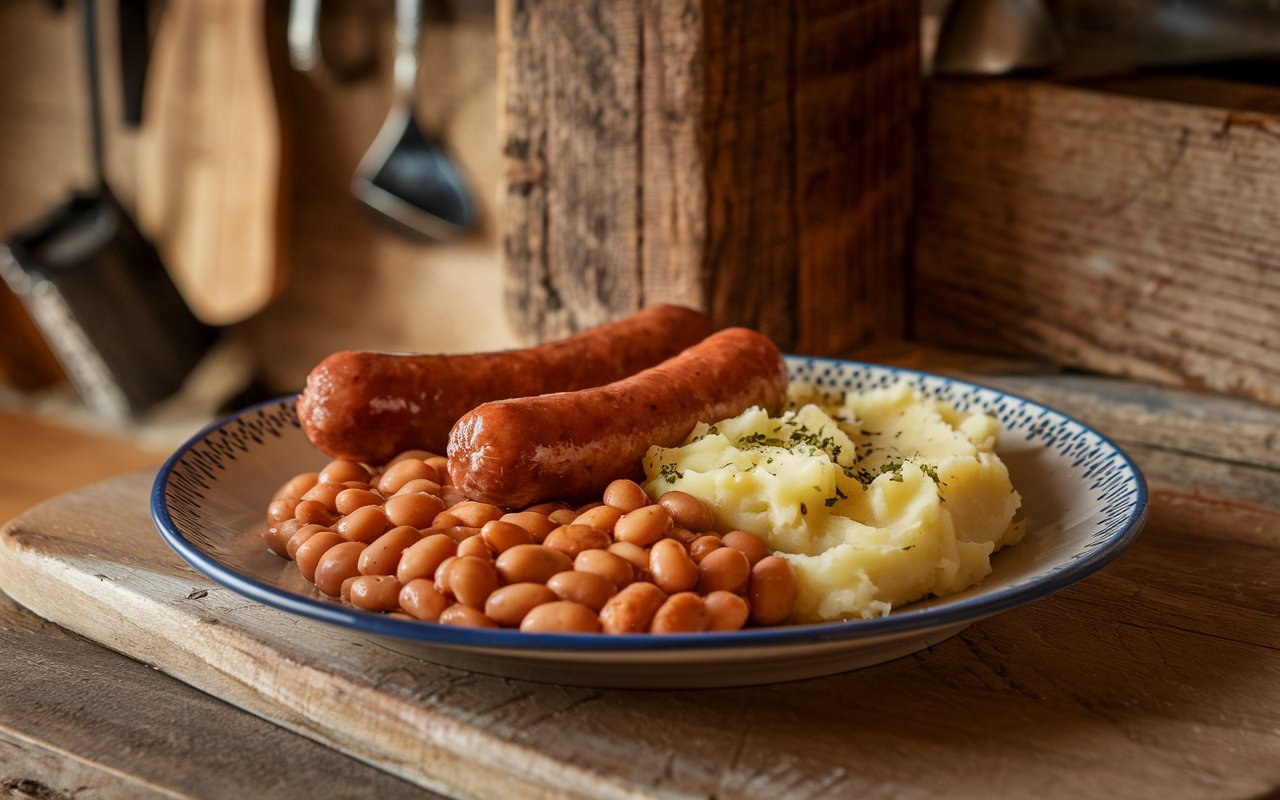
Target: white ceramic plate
[(1083, 499)]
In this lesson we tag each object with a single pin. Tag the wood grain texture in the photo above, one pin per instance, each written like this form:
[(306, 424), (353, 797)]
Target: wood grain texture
[(82, 721), (1154, 677), (1131, 236), (767, 161)]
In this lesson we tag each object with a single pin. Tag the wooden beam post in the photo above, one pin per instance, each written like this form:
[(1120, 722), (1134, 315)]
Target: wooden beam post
[(750, 159)]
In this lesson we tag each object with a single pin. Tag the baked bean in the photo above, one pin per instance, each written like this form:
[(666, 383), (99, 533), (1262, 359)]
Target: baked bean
[(509, 605), (297, 485), (313, 512), (538, 525), (723, 569), (308, 554), (421, 560), (303, 533), (671, 567), (375, 592), (534, 563), (336, 565), (277, 536), (281, 509), (563, 516), (382, 556), (644, 526), (752, 546), (418, 510), (681, 613), (349, 500), (773, 590), (420, 600), (625, 495), (601, 517), (342, 471), (682, 535), (634, 554), (468, 513), (415, 454), (587, 588), (573, 539), (726, 611), (465, 617), (442, 576), (440, 464), (457, 532), (401, 472), (631, 610), (420, 486), (704, 544), (610, 566), (451, 495), (562, 616), (364, 524), (469, 579), (324, 493), (688, 511), (546, 508), (502, 536), (475, 546), (345, 591)]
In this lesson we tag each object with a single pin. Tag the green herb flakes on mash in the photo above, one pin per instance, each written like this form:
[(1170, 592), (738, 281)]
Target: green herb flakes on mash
[(882, 499)]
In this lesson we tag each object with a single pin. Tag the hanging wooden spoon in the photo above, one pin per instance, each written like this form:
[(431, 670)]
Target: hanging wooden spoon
[(211, 185)]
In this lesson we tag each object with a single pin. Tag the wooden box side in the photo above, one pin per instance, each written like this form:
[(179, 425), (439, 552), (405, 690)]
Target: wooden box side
[(1129, 235)]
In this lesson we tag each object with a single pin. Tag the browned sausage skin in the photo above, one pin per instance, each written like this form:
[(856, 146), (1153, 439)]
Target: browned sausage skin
[(569, 445), (367, 406)]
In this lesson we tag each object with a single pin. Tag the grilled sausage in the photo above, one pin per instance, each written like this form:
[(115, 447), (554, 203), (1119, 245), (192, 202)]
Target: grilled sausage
[(367, 406), (571, 445)]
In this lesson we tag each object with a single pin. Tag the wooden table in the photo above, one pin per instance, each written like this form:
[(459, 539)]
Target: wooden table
[(1157, 677)]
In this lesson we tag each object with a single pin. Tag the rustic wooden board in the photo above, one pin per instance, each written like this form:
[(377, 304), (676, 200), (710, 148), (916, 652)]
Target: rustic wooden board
[(1155, 677), (1123, 234), (755, 162), (82, 721)]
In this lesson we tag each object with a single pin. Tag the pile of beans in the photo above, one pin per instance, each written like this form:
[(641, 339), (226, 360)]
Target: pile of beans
[(401, 540)]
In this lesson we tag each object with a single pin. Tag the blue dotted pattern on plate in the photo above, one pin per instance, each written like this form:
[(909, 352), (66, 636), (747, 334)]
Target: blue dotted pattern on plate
[(195, 473)]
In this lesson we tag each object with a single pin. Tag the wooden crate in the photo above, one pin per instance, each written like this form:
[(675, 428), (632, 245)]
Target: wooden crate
[(751, 159), (1126, 227)]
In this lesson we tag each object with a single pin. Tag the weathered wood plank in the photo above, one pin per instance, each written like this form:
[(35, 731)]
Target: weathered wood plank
[(82, 721), (1126, 235), (770, 163), (856, 100)]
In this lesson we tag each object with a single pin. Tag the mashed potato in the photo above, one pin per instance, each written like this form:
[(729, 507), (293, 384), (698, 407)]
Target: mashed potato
[(884, 499)]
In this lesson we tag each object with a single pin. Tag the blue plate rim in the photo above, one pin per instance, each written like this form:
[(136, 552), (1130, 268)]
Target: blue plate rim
[(516, 643)]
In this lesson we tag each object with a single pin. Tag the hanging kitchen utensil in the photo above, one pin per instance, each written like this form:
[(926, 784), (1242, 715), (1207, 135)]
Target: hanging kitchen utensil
[(211, 186), (405, 176), (303, 33), (98, 291), (994, 37), (134, 47)]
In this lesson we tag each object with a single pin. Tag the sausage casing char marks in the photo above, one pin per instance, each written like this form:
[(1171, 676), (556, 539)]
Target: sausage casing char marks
[(368, 406), (569, 445)]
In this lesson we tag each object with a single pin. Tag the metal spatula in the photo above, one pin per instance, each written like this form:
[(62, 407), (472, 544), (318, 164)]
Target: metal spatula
[(405, 176)]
